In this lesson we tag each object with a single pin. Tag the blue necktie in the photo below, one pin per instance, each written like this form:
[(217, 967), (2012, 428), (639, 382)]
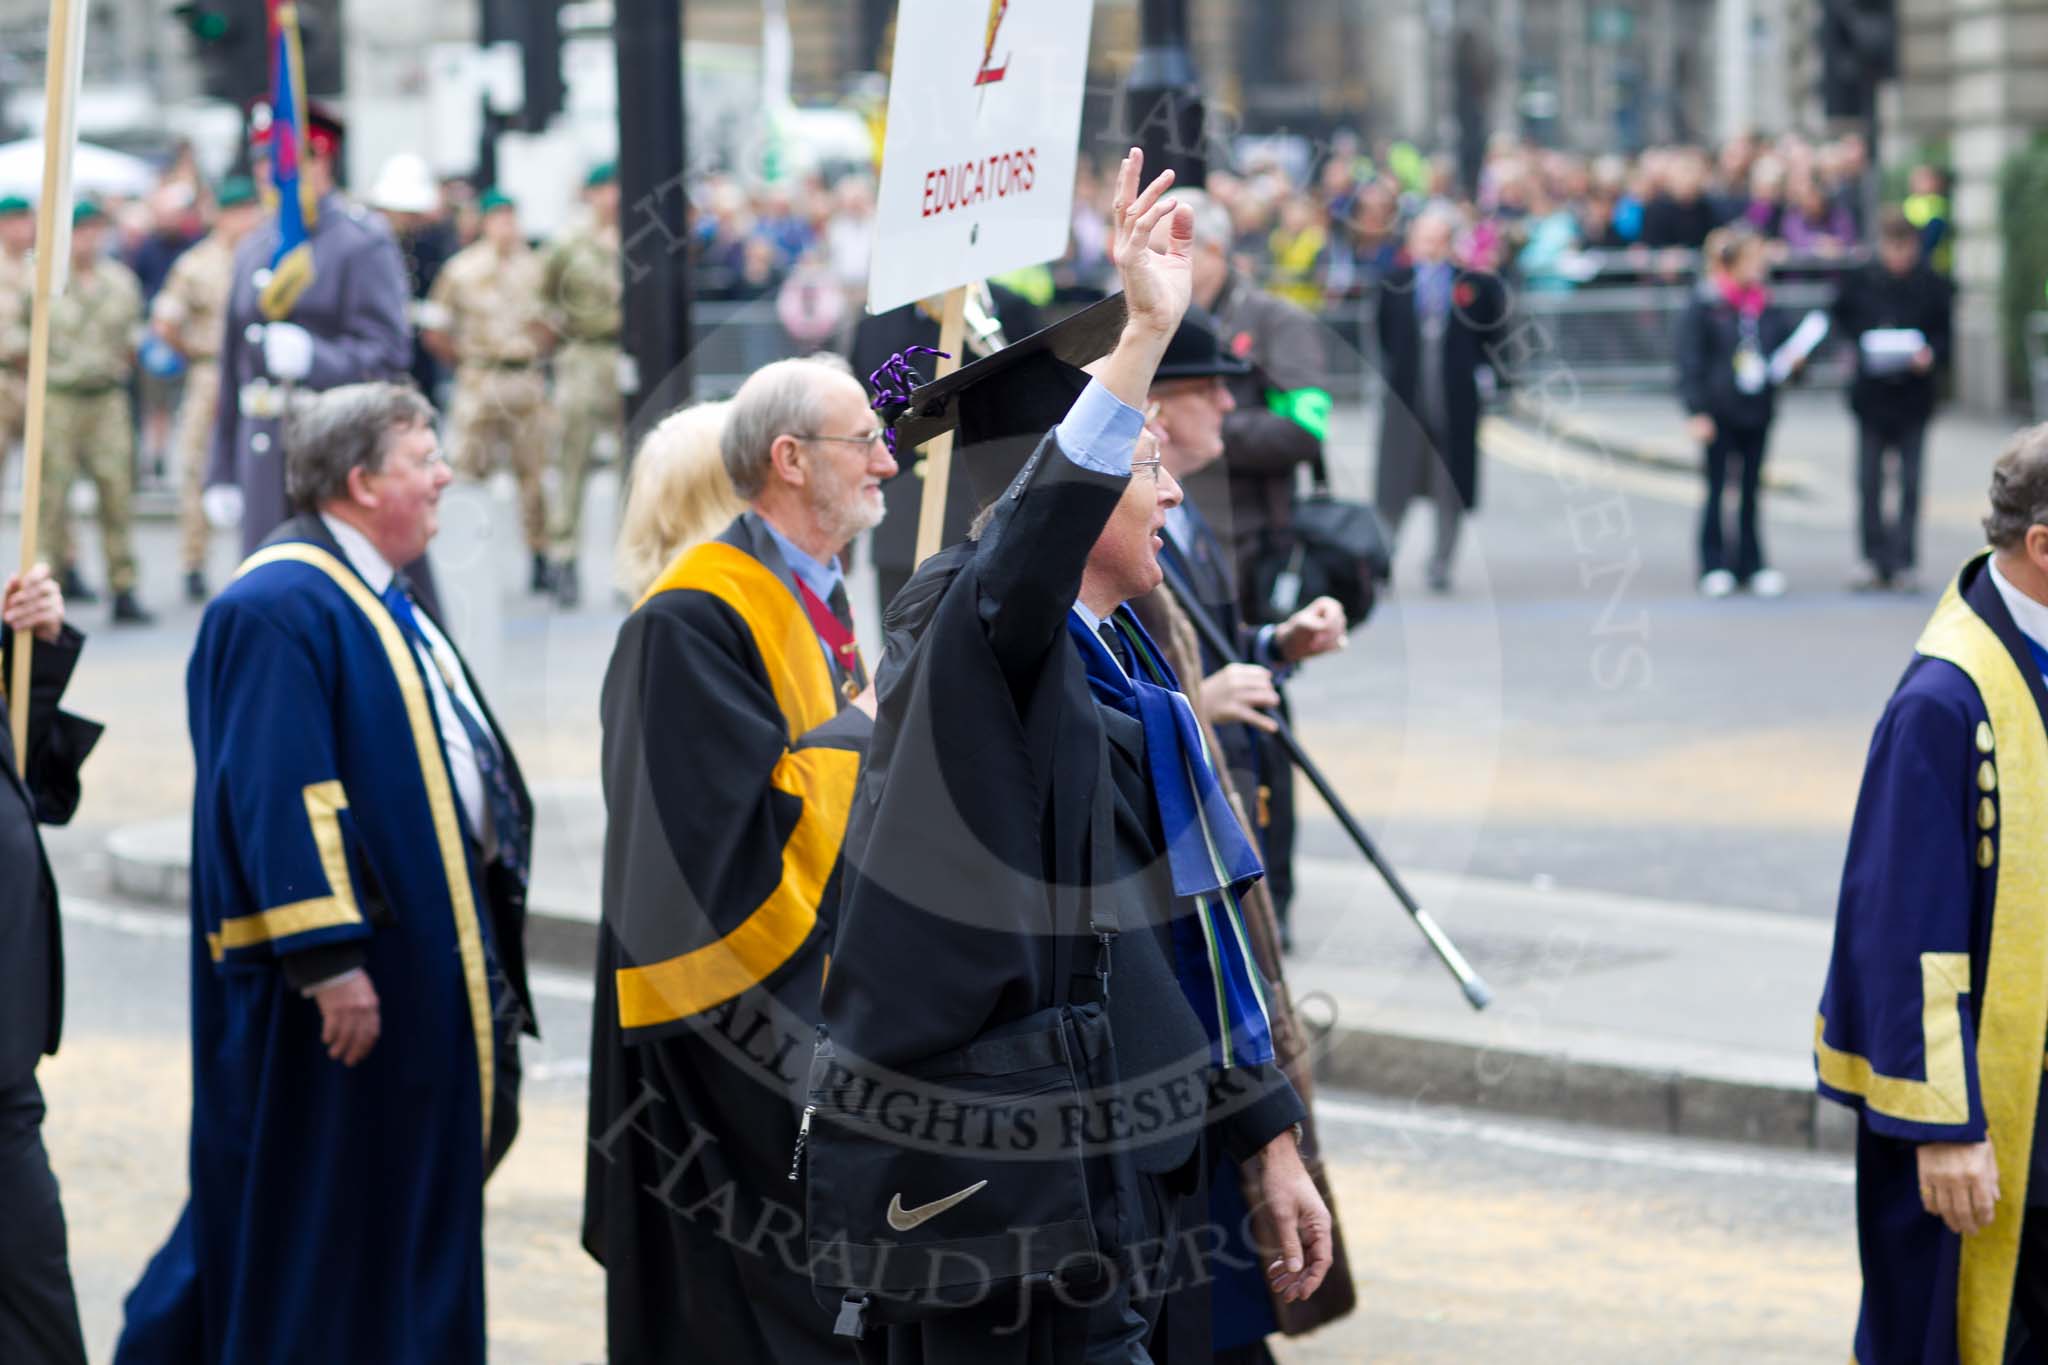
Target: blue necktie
[(498, 794), (1435, 294)]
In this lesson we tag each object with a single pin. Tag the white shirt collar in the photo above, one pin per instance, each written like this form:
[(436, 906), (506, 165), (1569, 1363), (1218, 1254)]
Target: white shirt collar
[(2030, 616), (1094, 624), (375, 569)]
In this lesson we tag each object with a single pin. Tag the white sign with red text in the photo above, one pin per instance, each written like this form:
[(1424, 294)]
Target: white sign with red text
[(983, 139)]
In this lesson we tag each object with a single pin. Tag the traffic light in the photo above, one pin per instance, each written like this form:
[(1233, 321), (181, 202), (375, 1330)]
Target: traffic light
[(1859, 46), (536, 26), (229, 40)]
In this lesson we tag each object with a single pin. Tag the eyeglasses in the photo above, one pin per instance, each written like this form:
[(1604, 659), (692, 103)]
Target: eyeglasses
[(1151, 466), (867, 439)]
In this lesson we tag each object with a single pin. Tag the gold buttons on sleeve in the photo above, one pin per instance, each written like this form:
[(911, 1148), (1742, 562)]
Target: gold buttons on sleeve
[(1987, 813), (1983, 736), (1984, 851), (1987, 777)]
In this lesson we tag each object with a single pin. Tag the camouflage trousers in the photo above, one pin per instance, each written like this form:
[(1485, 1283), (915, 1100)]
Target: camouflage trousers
[(89, 433), (504, 414), (587, 397), (193, 445), (13, 413)]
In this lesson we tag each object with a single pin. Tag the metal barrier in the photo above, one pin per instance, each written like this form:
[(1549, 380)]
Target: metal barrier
[(1610, 337), (729, 341), (1626, 337)]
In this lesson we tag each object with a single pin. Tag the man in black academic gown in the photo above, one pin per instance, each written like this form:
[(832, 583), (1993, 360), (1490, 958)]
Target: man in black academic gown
[(736, 709), (38, 1313), (1005, 733)]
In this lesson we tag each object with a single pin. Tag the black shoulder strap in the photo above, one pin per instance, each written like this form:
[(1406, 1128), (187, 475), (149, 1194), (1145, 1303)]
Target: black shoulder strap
[(1078, 987)]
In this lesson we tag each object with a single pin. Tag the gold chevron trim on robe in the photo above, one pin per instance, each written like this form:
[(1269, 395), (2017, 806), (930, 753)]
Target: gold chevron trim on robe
[(823, 779)]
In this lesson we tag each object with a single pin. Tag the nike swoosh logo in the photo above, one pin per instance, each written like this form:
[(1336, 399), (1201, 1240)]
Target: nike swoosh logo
[(903, 1220)]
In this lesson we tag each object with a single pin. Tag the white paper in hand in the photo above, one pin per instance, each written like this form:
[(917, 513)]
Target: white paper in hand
[(1812, 330), (1890, 350)]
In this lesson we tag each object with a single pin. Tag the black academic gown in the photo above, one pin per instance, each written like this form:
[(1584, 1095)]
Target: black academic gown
[(988, 757), (31, 944), (38, 1311), (720, 837)]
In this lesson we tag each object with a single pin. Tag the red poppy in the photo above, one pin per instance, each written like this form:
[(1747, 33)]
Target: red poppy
[(1464, 295), (1241, 345)]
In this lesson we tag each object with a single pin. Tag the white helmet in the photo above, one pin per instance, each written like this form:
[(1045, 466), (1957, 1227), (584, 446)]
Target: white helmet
[(405, 185)]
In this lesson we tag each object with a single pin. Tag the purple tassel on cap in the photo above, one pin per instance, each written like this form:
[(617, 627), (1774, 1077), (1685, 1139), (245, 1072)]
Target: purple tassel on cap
[(893, 384)]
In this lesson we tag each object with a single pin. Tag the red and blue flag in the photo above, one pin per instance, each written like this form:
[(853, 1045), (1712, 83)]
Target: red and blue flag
[(291, 266)]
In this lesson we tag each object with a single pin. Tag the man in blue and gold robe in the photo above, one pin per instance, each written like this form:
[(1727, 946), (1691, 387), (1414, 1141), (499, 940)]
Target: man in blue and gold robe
[(737, 709), (1934, 1019), (360, 843)]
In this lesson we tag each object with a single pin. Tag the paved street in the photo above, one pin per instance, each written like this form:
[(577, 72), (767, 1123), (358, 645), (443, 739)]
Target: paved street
[(1472, 1238)]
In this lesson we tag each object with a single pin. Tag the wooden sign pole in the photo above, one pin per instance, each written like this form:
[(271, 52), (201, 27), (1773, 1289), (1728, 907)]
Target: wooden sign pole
[(938, 469), (58, 131)]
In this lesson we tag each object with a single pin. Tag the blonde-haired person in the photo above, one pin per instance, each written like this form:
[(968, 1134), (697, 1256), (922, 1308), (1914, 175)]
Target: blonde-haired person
[(680, 495)]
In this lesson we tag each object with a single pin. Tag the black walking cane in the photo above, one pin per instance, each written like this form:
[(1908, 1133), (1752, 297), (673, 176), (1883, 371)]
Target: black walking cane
[(1476, 991)]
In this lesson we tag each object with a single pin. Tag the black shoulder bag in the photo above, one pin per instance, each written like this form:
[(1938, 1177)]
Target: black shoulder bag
[(1330, 548), (973, 1174)]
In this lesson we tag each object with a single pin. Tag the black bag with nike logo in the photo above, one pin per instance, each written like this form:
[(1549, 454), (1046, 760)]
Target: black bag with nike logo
[(981, 1174)]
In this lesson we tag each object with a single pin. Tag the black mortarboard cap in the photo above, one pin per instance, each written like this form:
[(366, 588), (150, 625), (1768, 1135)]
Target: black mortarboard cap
[(1002, 405)]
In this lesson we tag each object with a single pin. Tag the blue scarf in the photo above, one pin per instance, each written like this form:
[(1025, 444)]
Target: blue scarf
[(1211, 860)]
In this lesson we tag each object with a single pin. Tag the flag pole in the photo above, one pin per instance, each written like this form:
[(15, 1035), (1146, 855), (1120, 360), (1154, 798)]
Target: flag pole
[(53, 245)]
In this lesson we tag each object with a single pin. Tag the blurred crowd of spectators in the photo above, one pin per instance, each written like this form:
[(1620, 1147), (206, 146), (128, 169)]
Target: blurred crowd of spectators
[(1547, 218)]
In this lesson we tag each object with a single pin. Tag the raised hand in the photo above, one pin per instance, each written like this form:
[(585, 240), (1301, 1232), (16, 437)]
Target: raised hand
[(1152, 243)]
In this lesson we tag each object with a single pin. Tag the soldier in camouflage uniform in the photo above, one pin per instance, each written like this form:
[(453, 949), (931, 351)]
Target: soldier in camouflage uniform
[(17, 286), (88, 428), (487, 320), (189, 314), (582, 286)]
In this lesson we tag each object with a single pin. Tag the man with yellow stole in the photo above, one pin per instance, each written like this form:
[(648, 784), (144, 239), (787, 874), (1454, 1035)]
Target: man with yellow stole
[(1935, 1014), (737, 710)]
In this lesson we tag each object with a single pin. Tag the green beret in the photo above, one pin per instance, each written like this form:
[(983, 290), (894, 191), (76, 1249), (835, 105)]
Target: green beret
[(603, 173), (87, 211), (494, 199), (235, 190), (14, 203)]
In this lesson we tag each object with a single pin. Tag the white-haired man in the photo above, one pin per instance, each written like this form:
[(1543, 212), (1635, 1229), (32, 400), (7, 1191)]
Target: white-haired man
[(736, 716)]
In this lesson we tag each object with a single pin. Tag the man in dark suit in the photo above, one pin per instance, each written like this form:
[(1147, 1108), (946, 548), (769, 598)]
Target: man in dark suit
[(1435, 322), (38, 1313), (1878, 311), (1192, 401)]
